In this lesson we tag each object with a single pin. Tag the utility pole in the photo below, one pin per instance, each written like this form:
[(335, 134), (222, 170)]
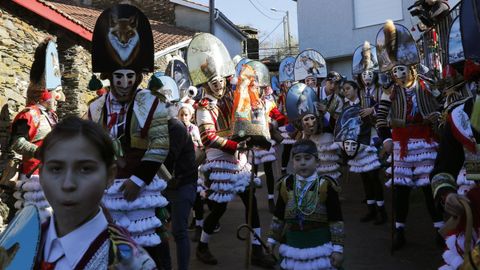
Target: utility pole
[(286, 29), (211, 8), (289, 42)]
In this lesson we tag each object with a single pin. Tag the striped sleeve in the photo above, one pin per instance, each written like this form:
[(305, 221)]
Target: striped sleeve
[(382, 117), (208, 132)]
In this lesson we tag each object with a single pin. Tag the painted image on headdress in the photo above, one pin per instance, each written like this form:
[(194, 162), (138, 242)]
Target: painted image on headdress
[(238, 67), (207, 57), (53, 76), (122, 38), (286, 69), (348, 126), (384, 61), (455, 47), (364, 60), (177, 70), (310, 63), (300, 100), (407, 51)]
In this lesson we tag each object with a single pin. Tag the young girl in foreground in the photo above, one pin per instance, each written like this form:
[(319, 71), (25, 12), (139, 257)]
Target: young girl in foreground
[(77, 165), (308, 220)]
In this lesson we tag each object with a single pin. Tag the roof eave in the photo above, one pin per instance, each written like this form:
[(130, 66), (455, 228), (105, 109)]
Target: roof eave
[(55, 17)]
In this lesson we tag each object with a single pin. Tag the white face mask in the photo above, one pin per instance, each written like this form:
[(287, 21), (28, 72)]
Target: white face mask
[(123, 82), (217, 86), (400, 72), (367, 77), (350, 147)]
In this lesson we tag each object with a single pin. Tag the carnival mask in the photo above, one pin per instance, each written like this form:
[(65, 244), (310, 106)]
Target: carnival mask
[(367, 77), (309, 124), (217, 86), (402, 75), (123, 84), (311, 82), (350, 147)]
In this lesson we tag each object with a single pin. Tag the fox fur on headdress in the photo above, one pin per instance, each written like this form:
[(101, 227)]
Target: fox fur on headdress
[(366, 55), (391, 42)]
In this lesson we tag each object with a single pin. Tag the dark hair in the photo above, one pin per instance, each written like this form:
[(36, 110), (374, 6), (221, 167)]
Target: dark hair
[(73, 126), (305, 146)]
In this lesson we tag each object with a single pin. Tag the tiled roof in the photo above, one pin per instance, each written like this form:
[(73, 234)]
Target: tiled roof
[(164, 35)]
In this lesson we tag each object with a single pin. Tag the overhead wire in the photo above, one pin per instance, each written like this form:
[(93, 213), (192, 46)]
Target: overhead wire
[(271, 32), (259, 10)]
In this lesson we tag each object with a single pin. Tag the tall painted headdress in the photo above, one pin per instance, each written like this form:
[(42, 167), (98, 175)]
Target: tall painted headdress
[(300, 101), (178, 70), (249, 115), (364, 58), (208, 57), (395, 46), (122, 39), (310, 63), (45, 74), (286, 69)]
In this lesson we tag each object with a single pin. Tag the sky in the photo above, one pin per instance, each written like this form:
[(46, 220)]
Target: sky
[(249, 12)]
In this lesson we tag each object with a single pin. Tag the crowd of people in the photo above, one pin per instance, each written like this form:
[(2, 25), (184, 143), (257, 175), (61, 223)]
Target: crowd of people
[(111, 187)]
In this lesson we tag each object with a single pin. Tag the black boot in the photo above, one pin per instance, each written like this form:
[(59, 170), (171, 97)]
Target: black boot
[(261, 259), (204, 254), (399, 240), (370, 214), (381, 217), (271, 206)]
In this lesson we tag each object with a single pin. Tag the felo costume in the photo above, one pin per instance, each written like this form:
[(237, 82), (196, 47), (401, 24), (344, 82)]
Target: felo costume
[(138, 127), (33, 123)]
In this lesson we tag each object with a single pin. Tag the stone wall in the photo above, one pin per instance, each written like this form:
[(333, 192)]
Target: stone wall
[(20, 33)]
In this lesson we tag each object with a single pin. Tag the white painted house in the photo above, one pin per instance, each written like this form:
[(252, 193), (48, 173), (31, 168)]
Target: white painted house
[(195, 16)]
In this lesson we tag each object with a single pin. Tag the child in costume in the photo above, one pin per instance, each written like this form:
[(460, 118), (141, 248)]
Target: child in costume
[(308, 222), (80, 234), (353, 133)]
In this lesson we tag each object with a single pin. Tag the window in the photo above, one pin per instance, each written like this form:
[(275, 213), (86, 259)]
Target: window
[(372, 12)]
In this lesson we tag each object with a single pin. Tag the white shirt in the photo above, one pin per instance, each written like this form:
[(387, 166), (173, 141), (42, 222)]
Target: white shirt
[(351, 103), (71, 247)]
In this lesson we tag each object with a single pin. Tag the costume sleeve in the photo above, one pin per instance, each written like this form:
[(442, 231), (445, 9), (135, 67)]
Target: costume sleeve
[(208, 133), (276, 115), (383, 128), (158, 145), (335, 218), (21, 130), (449, 162)]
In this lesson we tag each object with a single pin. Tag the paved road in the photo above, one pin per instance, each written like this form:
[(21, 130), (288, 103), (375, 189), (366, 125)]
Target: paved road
[(367, 245)]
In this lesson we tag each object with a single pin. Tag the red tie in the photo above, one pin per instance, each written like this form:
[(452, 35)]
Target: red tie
[(47, 266)]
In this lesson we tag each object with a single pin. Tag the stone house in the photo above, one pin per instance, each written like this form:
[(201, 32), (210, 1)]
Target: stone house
[(24, 24)]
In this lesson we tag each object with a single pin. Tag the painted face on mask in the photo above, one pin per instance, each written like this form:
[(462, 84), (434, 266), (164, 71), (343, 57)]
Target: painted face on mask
[(350, 147), (217, 86), (402, 76), (57, 96), (311, 82), (367, 77), (309, 124), (123, 83)]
